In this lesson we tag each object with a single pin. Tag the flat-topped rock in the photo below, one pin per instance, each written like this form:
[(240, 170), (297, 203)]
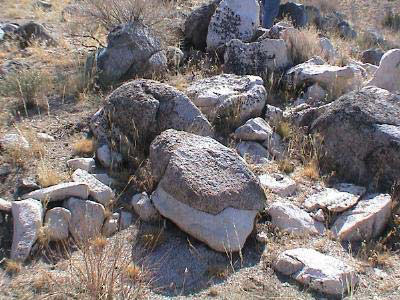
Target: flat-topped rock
[(60, 192), (279, 184), (83, 163), (256, 129)]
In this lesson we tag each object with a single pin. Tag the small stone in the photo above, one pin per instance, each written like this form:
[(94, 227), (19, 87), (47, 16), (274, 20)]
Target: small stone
[(103, 154), (256, 129), (262, 237), (254, 153), (319, 215), (5, 206), (281, 185), (43, 5), (44, 137), (27, 216), (60, 192), (273, 115), (56, 222), (110, 225), (144, 207), (14, 141), (125, 220), (87, 164), (99, 191), (27, 185), (381, 274)]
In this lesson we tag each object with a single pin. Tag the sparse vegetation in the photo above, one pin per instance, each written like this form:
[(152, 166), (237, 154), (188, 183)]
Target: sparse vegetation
[(83, 146), (47, 175)]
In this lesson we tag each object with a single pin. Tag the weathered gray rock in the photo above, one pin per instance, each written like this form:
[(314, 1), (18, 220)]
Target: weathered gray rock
[(292, 219), (233, 19), (337, 199), (388, 74), (275, 146), (13, 141), (281, 185), (203, 176), (110, 225), (144, 207), (139, 110), (125, 220), (366, 220), (103, 154), (60, 192), (315, 94), (44, 137), (361, 134), (83, 163), (327, 49), (256, 58), (87, 218), (5, 206), (104, 178), (99, 191), (372, 56), (174, 56), (254, 153), (318, 271), (28, 217), (229, 97), (256, 129), (295, 12), (57, 222), (273, 115), (31, 32), (132, 50)]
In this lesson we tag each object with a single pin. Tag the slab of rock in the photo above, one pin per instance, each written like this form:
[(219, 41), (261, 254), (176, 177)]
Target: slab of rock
[(197, 176), (144, 207), (281, 185), (337, 199), (13, 141), (136, 112), (5, 206), (60, 192), (292, 219), (110, 225), (227, 96), (388, 74), (233, 19), (364, 221), (257, 58), (28, 217), (254, 153), (320, 272), (57, 222), (87, 164), (98, 190), (104, 178), (87, 218), (256, 129), (125, 220)]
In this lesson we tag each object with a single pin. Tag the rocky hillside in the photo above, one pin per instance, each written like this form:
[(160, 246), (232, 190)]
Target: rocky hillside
[(154, 149)]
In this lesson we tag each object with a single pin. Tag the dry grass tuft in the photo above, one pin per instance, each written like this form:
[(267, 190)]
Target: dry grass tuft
[(311, 170), (286, 166), (151, 238), (12, 266), (47, 175), (83, 146)]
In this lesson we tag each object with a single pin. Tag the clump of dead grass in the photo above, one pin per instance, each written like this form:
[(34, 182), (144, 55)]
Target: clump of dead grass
[(12, 266), (47, 175), (83, 146)]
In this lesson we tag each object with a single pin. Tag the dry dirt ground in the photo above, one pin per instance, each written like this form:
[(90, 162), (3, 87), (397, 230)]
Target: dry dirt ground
[(179, 266)]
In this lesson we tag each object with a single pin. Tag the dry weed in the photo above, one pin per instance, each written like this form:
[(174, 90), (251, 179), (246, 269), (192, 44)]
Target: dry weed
[(12, 266), (47, 175), (83, 146)]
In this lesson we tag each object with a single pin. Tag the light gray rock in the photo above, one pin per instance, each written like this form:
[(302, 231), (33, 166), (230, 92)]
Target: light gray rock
[(227, 96), (87, 218), (99, 191), (315, 93), (13, 141), (5, 206), (104, 178), (275, 145), (292, 219), (2, 34), (273, 115), (320, 272), (83, 163), (103, 154), (28, 217), (57, 222), (366, 220), (254, 153), (125, 220), (144, 207), (60, 192), (256, 129), (388, 74), (233, 19), (327, 49), (318, 215), (257, 58), (44, 137), (337, 199), (281, 185), (202, 175), (110, 225)]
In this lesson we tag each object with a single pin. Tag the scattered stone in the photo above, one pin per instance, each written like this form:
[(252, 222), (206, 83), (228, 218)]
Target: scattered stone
[(366, 220), (337, 199), (5, 169), (31, 32), (256, 58), (125, 220), (60, 192), (57, 222), (110, 225), (228, 96), (318, 271), (233, 19), (292, 219), (144, 207), (388, 74), (201, 187), (104, 178), (256, 129), (273, 115), (12, 141), (254, 152), (27, 216), (295, 12), (281, 185), (372, 56), (5, 206), (26, 185), (87, 164), (99, 191), (87, 218)]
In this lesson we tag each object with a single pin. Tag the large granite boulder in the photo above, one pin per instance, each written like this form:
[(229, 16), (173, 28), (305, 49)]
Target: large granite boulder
[(233, 19), (229, 97), (136, 112), (361, 134), (205, 188)]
